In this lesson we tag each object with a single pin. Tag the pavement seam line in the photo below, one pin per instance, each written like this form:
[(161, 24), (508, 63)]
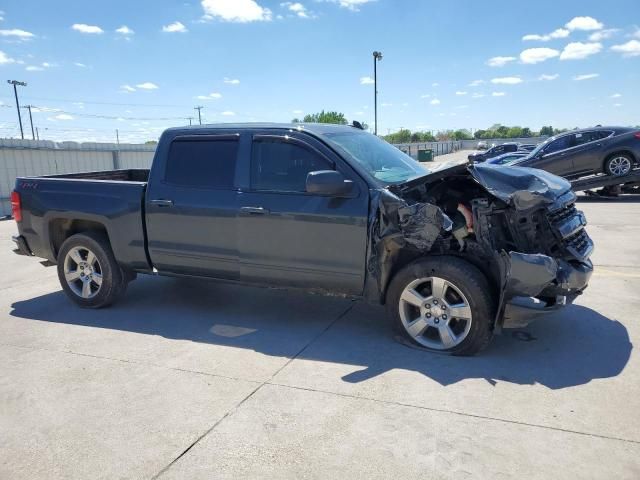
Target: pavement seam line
[(132, 362), (235, 408), (454, 412)]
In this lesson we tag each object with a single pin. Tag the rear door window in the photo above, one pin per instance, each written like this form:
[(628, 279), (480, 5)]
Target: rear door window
[(586, 137), (206, 163)]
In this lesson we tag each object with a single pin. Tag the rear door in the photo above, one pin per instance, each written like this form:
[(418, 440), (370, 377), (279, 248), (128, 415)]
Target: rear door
[(192, 205), (290, 237)]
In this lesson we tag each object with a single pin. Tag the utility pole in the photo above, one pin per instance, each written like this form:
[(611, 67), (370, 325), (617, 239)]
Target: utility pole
[(118, 138), (377, 56), (28, 107), (37, 134), (199, 116), (15, 83), (190, 118)]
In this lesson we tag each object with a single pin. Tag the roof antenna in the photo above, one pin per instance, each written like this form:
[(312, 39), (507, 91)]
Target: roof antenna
[(357, 125)]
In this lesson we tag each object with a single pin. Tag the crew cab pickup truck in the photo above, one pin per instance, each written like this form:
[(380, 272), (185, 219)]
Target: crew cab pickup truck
[(455, 254)]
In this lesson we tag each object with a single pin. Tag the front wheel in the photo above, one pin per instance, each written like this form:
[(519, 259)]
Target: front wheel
[(443, 304), (618, 165), (88, 271)]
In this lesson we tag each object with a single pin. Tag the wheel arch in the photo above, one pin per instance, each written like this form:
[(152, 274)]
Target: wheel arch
[(62, 228), (622, 151)]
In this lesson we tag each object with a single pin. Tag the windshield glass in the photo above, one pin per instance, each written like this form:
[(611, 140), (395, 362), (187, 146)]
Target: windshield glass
[(381, 159)]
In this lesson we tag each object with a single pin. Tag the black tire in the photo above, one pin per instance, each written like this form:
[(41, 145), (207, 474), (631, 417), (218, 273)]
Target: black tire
[(468, 280), (614, 159), (113, 283)]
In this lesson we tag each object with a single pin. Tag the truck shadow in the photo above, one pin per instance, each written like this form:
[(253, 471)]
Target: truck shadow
[(565, 349)]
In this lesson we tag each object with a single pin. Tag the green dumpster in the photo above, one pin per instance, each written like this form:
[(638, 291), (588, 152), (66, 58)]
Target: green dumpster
[(425, 155)]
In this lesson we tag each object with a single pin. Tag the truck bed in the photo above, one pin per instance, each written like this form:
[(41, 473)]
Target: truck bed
[(110, 201)]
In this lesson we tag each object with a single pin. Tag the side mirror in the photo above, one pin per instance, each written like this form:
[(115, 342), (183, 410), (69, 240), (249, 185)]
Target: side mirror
[(328, 182)]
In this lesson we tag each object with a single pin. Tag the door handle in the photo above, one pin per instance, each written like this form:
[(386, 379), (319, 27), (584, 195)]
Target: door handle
[(254, 210), (162, 202)]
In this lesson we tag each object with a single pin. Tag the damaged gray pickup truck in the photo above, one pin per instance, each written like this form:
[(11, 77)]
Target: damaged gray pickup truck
[(456, 254)]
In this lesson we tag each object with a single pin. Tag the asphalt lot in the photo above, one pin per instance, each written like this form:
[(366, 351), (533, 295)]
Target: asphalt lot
[(186, 379)]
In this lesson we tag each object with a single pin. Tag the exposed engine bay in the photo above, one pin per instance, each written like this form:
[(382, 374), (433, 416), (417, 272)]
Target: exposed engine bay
[(519, 226)]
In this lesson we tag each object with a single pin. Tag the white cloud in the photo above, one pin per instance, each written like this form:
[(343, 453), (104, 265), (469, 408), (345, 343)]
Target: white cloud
[(579, 50), (63, 116), (603, 34), (366, 81), (296, 8), (461, 93), (435, 101), (211, 96), (175, 27), (127, 88), (615, 95), (228, 113), (5, 59), (34, 68), (125, 31), (81, 65), (587, 76), (498, 94), (629, 49), (537, 55), (617, 104), (506, 80), (546, 77), (425, 95), (435, 84), (298, 112), (353, 5), (241, 11), (477, 95), (84, 28), (16, 32), (499, 61), (147, 86), (476, 83), (558, 33), (636, 34), (584, 23), (386, 104), (231, 81)]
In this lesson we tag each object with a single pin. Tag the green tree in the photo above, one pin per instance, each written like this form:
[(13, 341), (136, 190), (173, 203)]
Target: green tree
[(462, 134), (526, 132), (324, 117), (480, 134), (546, 131), (514, 132)]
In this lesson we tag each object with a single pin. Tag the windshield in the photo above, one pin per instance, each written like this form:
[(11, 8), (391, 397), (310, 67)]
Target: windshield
[(540, 146), (380, 159)]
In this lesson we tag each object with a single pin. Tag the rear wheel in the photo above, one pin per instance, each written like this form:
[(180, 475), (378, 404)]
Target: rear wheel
[(443, 304), (618, 165), (88, 271)]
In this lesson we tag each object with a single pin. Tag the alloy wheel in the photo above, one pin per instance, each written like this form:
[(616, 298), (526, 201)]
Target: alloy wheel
[(82, 272)]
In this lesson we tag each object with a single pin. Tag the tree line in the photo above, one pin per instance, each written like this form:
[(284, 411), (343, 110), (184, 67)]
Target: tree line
[(405, 135)]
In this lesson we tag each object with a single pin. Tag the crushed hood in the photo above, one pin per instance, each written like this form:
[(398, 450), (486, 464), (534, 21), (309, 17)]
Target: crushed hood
[(521, 187)]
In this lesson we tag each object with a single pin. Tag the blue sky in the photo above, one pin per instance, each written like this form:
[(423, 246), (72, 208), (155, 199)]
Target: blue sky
[(447, 64)]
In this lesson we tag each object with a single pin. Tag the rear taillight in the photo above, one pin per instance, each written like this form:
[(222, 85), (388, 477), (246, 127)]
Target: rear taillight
[(16, 207), (637, 135)]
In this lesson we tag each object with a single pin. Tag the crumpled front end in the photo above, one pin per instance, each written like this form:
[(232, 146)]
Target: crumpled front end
[(519, 226), (554, 266)]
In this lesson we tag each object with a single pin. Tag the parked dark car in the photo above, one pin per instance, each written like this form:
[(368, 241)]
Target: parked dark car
[(493, 152), (507, 158), (527, 147), (455, 254), (612, 150)]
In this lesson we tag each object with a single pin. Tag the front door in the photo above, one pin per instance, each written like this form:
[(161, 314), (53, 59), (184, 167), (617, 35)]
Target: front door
[(290, 237)]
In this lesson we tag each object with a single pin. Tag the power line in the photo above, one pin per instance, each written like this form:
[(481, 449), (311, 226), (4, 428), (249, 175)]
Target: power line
[(106, 117), (90, 102)]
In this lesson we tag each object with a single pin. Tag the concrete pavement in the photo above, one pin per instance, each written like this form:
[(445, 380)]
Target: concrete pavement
[(187, 379)]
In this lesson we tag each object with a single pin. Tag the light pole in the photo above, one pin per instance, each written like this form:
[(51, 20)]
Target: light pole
[(15, 83), (199, 115), (377, 56)]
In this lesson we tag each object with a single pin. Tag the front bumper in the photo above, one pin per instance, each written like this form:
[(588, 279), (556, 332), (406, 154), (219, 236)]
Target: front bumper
[(22, 248), (538, 284)]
